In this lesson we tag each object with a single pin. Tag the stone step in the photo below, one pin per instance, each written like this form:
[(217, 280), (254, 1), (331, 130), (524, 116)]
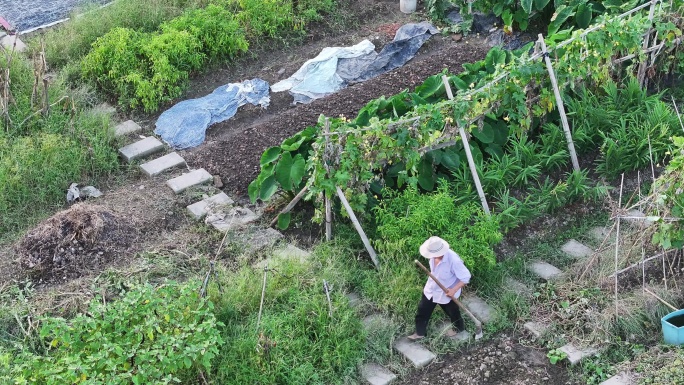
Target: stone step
[(620, 379), (161, 164), (9, 41), (536, 328), (141, 149), (480, 309), (375, 374), (199, 209), (229, 218), (127, 127), (373, 321), (576, 249), (517, 287), (416, 353), (190, 179), (575, 354), (600, 233), (445, 326), (255, 240), (545, 270)]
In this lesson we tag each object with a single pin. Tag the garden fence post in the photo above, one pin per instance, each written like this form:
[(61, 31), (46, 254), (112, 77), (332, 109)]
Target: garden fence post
[(641, 73), (469, 155), (559, 104), (617, 244), (358, 227), (328, 205)]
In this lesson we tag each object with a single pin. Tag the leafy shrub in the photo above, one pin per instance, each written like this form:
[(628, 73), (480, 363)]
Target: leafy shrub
[(149, 336), (405, 220), (669, 200)]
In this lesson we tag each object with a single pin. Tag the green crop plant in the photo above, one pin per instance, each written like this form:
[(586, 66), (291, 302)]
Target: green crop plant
[(149, 335), (669, 200)]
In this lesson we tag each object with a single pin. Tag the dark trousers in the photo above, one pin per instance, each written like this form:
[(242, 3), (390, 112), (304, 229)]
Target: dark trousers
[(425, 308)]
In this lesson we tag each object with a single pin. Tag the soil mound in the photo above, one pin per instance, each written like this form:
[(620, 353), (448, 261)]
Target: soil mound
[(74, 242)]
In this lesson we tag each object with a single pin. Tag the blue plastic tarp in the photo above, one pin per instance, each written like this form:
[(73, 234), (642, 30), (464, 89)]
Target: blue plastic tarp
[(185, 124)]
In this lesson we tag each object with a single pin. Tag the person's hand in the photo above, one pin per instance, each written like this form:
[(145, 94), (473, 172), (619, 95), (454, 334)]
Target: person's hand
[(452, 292)]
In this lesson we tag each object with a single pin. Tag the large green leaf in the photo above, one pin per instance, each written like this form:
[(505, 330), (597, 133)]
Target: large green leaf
[(270, 155), (494, 58), (451, 159), (289, 171), (539, 5), (485, 135), (458, 83), (562, 14), (253, 191), (284, 220), (293, 143), (426, 175), (268, 188), (432, 86), (583, 15), (526, 6)]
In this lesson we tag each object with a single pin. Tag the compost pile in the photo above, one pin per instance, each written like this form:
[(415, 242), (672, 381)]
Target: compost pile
[(74, 242)]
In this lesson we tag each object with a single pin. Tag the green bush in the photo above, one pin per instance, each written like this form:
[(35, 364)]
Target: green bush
[(405, 220), (72, 40), (149, 336)]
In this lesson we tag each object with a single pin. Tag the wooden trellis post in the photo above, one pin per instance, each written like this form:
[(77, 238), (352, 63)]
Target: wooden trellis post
[(328, 205), (357, 226), (469, 155), (559, 104), (641, 73)]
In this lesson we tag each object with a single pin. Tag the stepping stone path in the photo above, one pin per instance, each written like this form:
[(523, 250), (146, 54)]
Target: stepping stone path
[(141, 149), (185, 181), (637, 218), (620, 379), (576, 249), (199, 209), (446, 326), (376, 374), (575, 354), (418, 355), (127, 127), (164, 163), (545, 270), (599, 233), (230, 218), (9, 41), (517, 287), (479, 308)]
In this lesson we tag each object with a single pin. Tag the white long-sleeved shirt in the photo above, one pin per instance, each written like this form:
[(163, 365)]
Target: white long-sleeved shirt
[(449, 272)]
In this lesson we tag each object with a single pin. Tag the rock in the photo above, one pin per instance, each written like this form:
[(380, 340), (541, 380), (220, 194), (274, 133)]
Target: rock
[(457, 37), (495, 39), (218, 183), (483, 23), (454, 17)]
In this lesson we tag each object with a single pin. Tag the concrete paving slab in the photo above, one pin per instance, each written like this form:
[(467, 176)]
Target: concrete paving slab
[(8, 41), (127, 127), (545, 271), (517, 287), (536, 328), (199, 209), (287, 252), (255, 240), (576, 249), (190, 179), (141, 149), (620, 379), (575, 354), (375, 374), (354, 299), (445, 327), (373, 321), (600, 233), (161, 164), (227, 219), (416, 353), (480, 309)]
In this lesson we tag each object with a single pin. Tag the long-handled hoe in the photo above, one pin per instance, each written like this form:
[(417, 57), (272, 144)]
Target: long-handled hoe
[(478, 324)]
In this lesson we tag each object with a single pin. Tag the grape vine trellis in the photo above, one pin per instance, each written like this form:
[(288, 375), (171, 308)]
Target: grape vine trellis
[(354, 154)]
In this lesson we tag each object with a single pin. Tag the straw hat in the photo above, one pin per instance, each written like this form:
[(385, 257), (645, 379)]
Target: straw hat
[(434, 247)]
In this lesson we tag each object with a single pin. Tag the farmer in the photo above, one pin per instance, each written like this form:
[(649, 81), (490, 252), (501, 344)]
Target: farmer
[(449, 269)]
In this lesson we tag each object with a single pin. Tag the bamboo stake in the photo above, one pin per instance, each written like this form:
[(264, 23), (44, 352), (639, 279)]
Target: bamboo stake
[(327, 294), (559, 105), (643, 249), (661, 300), (291, 204), (677, 111), (263, 294), (630, 267), (358, 227), (641, 73), (469, 155), (328, 205), (617, 244)]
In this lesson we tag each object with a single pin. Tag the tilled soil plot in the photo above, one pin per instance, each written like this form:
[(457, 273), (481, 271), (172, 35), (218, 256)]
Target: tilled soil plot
[(500, 361), (234, 147)]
